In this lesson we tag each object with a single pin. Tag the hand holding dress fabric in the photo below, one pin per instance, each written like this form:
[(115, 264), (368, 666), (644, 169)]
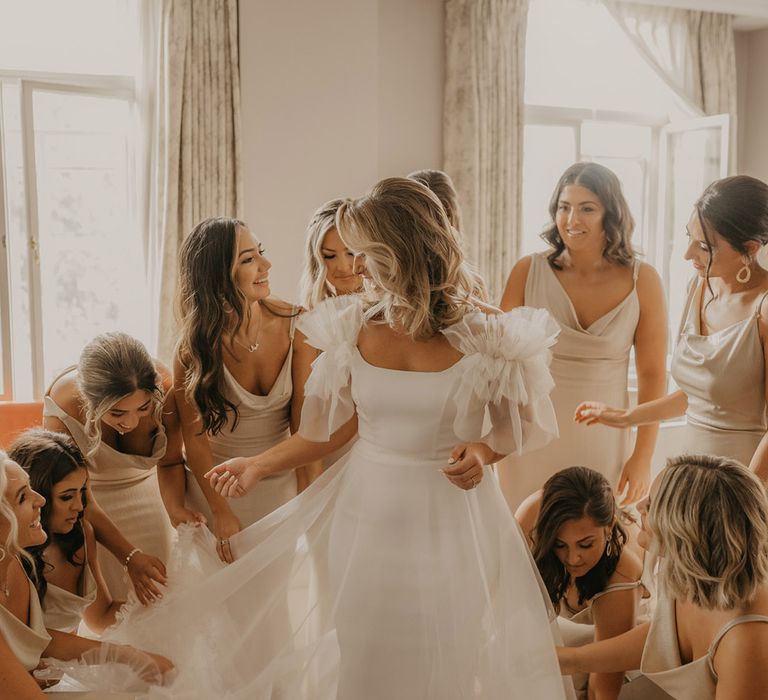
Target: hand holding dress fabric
[(146, 572)]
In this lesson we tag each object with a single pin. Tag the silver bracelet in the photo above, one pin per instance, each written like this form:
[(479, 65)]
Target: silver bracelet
[(127, 561)]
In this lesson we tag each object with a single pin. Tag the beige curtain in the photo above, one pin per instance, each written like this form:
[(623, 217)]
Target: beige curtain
[(483, 127), (694, 53), (192, 99)]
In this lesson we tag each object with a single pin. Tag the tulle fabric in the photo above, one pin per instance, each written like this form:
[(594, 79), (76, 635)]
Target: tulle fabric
[(107, 669), (382, 580), (510, 375)]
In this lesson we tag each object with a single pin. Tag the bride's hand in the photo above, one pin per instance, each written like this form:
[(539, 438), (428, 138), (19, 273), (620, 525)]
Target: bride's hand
[(591, 412), (465, 466), (233, 478)]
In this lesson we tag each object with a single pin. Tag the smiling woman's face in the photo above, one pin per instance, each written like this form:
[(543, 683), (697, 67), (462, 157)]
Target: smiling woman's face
[(25, 504)]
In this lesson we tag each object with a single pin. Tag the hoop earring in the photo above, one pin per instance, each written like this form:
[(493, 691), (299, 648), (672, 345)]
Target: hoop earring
[(744, 274), (610, 550)]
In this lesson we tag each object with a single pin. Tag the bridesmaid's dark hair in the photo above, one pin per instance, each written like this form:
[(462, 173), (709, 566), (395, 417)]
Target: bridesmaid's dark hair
[(209, 305), (49, 457), (736, 208), (617, 221), (574, 493)]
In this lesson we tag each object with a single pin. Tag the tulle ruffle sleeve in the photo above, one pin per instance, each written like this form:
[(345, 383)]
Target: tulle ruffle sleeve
[(506, 378), (332, 327)]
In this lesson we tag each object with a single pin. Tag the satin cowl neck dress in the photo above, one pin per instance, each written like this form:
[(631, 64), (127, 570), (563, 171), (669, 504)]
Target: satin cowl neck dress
[(723, 376), (588, 364)]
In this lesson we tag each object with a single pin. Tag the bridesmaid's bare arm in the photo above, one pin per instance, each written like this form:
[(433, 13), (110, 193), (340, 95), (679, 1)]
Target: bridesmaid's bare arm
[(514, 292), (650, 362), (759, 463), (171, 475)]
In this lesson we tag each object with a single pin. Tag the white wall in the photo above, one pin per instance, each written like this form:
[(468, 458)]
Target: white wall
[(752, 64), (336, 94)]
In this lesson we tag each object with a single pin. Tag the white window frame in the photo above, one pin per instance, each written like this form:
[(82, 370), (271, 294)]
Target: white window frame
[(117, 87), (541, 115)]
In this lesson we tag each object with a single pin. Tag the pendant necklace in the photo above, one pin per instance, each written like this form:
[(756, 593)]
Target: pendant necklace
[(254, 346)]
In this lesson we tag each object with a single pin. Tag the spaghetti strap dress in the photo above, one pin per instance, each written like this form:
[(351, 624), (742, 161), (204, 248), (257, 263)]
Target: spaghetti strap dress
[(263, 421), (587, 364), (723, 376)]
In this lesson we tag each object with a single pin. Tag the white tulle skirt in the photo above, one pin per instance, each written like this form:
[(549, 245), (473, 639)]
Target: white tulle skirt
[(380, 581)]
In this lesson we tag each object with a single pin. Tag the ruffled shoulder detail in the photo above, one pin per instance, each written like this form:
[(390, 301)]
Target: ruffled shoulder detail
[(332, 327), (508, 376)]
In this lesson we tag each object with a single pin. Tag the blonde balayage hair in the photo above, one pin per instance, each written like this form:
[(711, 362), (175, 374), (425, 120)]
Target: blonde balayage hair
[(10, 547), (314, 281), (412, 255), (709, 522), (112, 367)]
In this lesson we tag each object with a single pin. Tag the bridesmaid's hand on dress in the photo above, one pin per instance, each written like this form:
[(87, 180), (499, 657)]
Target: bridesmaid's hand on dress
[(186, 516), (635, 477), (591, 412), (234, 478), (466, 464), (146, 572), (225, 524)]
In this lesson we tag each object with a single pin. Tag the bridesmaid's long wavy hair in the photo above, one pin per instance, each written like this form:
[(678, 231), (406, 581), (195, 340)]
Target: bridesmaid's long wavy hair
[(736, 208), (618, 222), (111, 367), (209, 306), (412, 255), (314, 281), (49, 457), (571, 494)]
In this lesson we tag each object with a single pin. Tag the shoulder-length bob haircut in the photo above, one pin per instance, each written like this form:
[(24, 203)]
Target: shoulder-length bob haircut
[(618, 222), (709, 523), (314, 281), (571, 494), (412, 255)]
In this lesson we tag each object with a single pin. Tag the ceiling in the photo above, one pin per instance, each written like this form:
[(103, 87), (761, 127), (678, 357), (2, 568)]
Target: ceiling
[(750, 14)]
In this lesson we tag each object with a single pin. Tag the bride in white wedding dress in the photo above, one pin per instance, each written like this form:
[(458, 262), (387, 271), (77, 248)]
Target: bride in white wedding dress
[(423, 587)]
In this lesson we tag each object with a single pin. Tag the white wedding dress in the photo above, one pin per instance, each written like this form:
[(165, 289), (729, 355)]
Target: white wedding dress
[(420, 590)]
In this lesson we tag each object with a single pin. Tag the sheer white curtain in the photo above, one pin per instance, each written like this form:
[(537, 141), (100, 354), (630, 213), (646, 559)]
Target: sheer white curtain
[(693, 52), (483, 127), (190, 96)]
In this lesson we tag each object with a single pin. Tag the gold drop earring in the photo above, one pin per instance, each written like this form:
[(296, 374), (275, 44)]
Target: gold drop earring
[(745, 273)]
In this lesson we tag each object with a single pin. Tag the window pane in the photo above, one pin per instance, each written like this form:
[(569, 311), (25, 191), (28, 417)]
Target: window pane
[(16, 229), (76, 36), (615, 140), (577, 56), (548, 151), (693, 163), (91, 254)]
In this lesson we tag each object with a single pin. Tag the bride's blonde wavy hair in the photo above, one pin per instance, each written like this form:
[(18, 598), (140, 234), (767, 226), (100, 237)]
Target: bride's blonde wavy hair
[(412, 255)]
